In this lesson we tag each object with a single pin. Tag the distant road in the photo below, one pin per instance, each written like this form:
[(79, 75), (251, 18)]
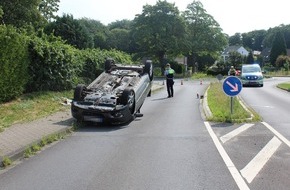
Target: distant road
[(272, 103)]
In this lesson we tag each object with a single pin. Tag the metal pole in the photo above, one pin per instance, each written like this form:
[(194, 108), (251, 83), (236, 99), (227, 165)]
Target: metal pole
[(231, 105)]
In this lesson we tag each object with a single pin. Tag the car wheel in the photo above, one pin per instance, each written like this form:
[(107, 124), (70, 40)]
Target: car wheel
[(149, 69), (79, 92), (128, 98)]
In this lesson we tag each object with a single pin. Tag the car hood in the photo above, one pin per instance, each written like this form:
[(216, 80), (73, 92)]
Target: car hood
[(252, 74)]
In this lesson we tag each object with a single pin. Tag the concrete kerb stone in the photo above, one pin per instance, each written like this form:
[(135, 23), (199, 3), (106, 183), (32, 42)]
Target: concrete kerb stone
[(208, 114), (19, 153), (206, 110)]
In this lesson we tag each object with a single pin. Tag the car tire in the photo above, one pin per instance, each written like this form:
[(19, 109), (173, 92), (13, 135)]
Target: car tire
[(128, 98), (149, 69), (79, 92)]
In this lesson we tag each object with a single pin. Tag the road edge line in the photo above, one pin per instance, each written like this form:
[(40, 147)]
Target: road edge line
[(281, 137), (230, 165)]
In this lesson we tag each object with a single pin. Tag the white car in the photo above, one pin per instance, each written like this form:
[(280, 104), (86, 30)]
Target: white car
[(115, 96), (251, 75)]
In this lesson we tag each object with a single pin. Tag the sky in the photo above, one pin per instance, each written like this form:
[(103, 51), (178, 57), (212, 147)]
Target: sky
[(233, 16)]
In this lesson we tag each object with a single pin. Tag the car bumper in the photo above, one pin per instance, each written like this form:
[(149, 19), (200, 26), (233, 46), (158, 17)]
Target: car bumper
[(252, 82), (99, 114)]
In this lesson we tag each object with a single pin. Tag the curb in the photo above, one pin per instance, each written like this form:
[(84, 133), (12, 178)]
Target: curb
[(208, 114), (19, 153)]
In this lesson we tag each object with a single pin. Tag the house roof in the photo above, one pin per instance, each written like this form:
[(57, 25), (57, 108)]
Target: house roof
[(232, 48)]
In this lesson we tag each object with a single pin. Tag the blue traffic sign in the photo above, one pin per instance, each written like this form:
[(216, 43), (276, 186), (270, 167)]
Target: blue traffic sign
[(232, 86)]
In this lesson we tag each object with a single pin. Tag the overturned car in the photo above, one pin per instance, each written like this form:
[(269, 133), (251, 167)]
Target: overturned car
[(115, 96)]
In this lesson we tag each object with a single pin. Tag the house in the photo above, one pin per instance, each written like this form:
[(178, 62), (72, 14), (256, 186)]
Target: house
[(239, 49)]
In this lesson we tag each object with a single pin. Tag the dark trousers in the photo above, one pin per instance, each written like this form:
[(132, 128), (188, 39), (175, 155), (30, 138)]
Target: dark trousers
[(169, 84)]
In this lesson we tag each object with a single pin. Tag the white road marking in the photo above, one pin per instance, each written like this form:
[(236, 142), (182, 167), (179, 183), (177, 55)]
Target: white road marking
[(282, 138), (230, 165), (235, 132), (250, 171), (263, 106)]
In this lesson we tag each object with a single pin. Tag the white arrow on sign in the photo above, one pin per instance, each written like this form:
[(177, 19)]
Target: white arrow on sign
[(234, 88)]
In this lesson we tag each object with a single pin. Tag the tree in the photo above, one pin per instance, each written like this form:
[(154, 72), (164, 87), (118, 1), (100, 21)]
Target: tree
[(120, 36), (204, 35), (159, 31), (119, 39), (236, 39), (71, 30), (250, 58), (122, 24), (235, 59), (254, 40), (282, 61), (47, 8), (22, 13), (1, 13), (278, 47), (98, 31)]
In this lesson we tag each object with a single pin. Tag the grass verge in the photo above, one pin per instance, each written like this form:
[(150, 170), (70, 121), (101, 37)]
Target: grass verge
[(220, 106), (284, 86), (32, 106)]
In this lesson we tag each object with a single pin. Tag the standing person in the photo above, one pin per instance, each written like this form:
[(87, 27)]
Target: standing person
[(232, 71), (169, 74)]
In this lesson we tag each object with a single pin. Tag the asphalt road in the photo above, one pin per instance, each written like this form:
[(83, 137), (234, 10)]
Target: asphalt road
[(170, 147)]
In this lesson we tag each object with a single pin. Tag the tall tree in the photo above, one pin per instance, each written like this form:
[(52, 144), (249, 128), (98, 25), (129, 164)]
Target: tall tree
[(1, 14), (204, 35), (119, 39), (250, 58), (71, 30), (236, 39), (48, 8), (121, 24), (98, 31), (159, 30), (254, 40), (278, 47), (235, 59), (21, 13)]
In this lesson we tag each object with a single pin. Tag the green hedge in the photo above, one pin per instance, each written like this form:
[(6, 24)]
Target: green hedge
[(46, 63), (94, 60), (54, 65), (14, 62)]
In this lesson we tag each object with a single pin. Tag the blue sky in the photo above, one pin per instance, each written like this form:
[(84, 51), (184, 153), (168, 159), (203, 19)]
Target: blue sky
[(232, 15)]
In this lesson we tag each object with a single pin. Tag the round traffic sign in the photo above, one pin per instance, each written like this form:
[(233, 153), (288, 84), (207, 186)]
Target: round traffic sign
[(232, 86)]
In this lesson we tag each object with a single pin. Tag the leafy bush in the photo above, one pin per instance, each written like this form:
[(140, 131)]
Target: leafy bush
[(94, 60), (54, 65), (14, 62)]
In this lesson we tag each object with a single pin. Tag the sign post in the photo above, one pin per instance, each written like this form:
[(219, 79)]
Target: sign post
[(232, 86)]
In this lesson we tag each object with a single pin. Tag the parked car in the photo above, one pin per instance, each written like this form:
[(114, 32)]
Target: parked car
[(115, 96), (251, 75)]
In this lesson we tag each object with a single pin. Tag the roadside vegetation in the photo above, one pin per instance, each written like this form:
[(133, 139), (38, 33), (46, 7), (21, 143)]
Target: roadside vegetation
[(284, 86), (220, 106), (44, 56), (32, 106)]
